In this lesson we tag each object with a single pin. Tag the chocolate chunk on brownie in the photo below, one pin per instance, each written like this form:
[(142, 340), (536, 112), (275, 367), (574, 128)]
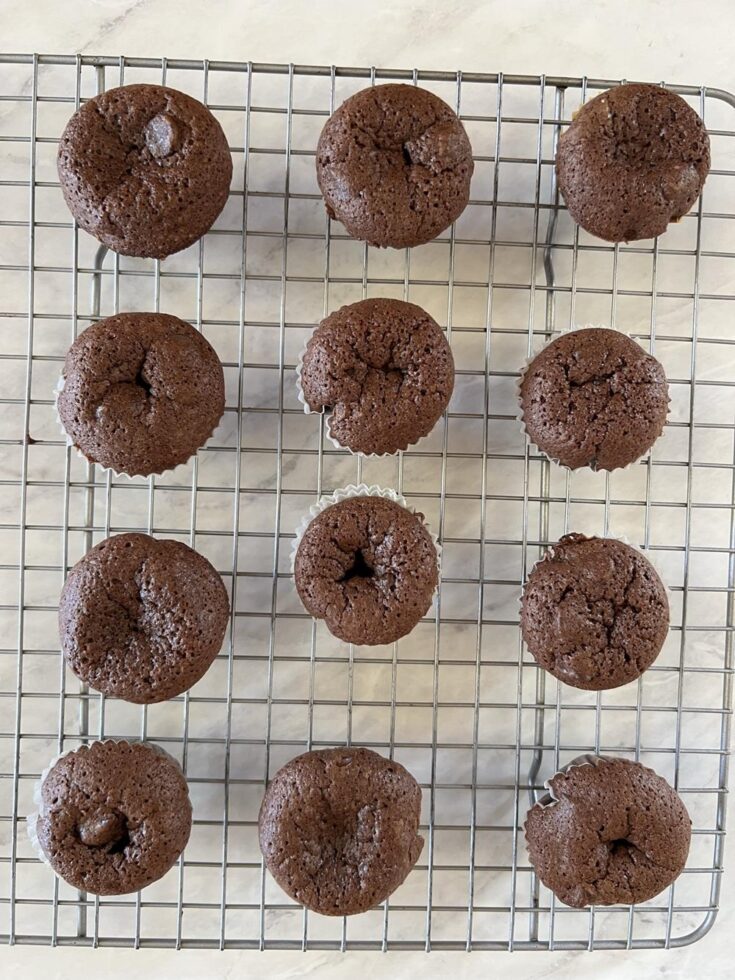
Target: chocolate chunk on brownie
[(145, 169), (113, 816)]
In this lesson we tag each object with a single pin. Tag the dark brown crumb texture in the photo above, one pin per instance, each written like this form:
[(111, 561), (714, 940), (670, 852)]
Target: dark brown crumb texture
[(114, 817), (142, 619), (617, 833), (339, 829), (594, 612), (142, 392), (594, 397), (634, 159), (368, 568), (394, 165), (383, 369), (145, 169)]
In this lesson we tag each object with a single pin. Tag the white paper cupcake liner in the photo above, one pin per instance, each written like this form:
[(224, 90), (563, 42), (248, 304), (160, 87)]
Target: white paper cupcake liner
[(33, 818), (586, 759), (362, 490), (519, 410), (109, 469), (330, 436)]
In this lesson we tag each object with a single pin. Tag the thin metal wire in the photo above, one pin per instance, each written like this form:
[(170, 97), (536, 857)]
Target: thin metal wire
[(518, 820), (279, 483), (480, 892), (235, 523), (23, 504), (486, 396), (544, 511)]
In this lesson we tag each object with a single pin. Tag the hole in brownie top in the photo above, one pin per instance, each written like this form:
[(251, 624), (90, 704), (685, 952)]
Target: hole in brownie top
[(118, 846), (140, 381), (359, 568)]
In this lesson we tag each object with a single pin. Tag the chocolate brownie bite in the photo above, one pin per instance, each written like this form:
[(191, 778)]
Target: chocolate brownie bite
[(610, 832), (368, 567), (394, 166), (594, 612), (113, 817), (338, 829), (633, 159), (383, 370), (594, 397), (145, 169), (140, 392), (142, 619)]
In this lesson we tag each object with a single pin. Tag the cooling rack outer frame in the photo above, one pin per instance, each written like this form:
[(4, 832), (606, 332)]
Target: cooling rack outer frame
[(532, 922)]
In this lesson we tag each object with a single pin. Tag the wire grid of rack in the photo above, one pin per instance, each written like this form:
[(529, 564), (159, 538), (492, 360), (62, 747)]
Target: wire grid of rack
[(459, 701)]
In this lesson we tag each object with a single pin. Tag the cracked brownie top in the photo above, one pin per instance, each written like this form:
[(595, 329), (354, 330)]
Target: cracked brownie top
[(594, 612), (594, 397), (383, 370), (394, 165)]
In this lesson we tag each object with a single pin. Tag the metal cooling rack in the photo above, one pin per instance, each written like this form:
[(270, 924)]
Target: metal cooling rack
[(459, 701)]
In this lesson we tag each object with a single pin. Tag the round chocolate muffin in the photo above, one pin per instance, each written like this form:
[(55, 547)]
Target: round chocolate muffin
[(610, 831), (368, 568), (338, 829), (594, 613), (634, 159), (384, 370), (394, 165), (145, 169), (594, 397), (113, 816), (142, 619), (141, 392)]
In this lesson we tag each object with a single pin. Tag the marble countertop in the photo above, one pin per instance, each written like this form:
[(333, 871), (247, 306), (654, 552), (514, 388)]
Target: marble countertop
[(653, 40)]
